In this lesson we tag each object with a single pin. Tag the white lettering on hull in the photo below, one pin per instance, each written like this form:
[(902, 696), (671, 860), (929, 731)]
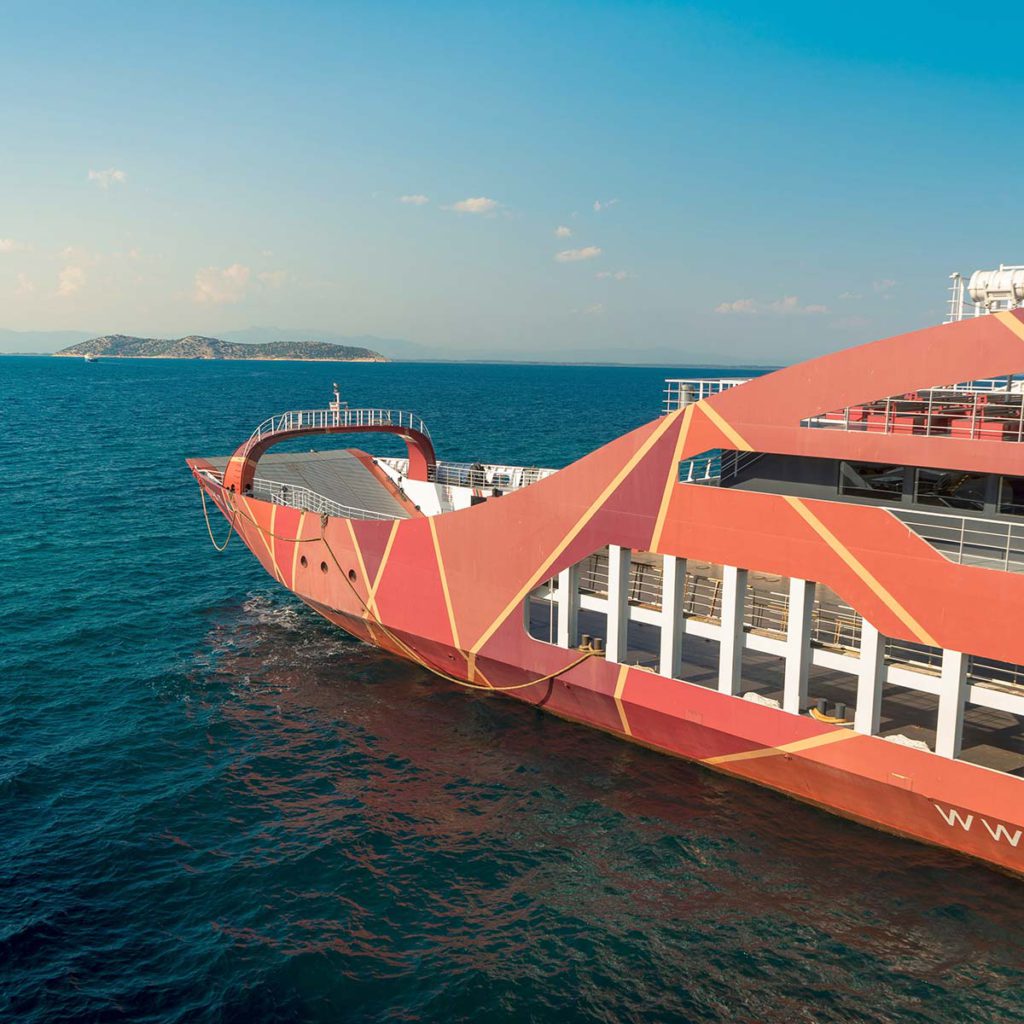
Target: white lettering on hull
[(999, 832)]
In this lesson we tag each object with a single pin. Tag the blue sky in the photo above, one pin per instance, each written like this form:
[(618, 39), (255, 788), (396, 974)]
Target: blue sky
[(754, 182)]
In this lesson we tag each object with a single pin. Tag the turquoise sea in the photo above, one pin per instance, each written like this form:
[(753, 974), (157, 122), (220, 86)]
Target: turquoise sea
[(216, 807)]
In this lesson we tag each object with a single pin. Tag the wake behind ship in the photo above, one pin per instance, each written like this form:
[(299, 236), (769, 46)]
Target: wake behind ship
[(811, 580)]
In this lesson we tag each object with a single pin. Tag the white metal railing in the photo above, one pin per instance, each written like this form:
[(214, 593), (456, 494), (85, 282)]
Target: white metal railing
[(834, 625), (684, 391), (322, 419), (477, 474), (986, 410), (702, 469), (969, 540), (296, 496)]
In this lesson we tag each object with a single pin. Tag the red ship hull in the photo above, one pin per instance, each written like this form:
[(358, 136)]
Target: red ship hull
[(448, 591)]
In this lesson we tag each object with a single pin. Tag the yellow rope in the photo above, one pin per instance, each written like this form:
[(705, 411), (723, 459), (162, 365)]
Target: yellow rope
[(412, 654), (415, 656), (209, 528)]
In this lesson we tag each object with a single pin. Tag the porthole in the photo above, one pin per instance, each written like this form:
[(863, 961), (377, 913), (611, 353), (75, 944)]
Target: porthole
[(323, 567), (303, 561), (352, 575)]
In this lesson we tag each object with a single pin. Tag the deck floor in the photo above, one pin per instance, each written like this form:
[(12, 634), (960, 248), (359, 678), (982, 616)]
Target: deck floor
[(337, 475)]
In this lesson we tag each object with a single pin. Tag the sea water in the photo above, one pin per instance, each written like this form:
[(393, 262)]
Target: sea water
[(214, 806)]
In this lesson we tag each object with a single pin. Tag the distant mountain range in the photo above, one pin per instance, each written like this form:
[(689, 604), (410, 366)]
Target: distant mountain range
[(123, 346)]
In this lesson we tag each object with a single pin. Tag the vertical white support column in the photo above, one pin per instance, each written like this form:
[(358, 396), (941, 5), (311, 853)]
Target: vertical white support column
[(619, 560), (949, 733), (730, 656), (798, 645), (673, 583), (870, 678), (568, 606)]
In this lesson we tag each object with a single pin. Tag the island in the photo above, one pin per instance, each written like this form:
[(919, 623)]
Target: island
[(122, 346)]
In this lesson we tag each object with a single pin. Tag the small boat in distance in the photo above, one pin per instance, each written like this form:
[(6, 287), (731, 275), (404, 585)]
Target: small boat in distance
[(812, 580), (91, 357)]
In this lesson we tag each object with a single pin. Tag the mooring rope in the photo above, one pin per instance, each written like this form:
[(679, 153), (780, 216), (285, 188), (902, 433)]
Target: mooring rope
[(369, 613), (209, 528)]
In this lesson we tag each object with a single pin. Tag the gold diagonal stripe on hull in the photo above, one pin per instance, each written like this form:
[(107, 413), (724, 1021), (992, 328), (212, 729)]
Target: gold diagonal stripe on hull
[(620, 686), (863, 572), (787, 748), (672, 480), (295, 552), (371, 599), (444, 584), (719, 421), (1007, 319), (475, 671), (578, 526), (359, 555), (263, 536)]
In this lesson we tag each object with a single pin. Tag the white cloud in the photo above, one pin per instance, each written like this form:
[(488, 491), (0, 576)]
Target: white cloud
[(851, 296), (217, 286), (615, 275), (563, 232), (596, 310), (477, 204), (883, 286), (599, 206), (273, 278), (415, 200), (788, 306), (111, 176), (23, 285), (70, 281), (588, 252), (11, 245)]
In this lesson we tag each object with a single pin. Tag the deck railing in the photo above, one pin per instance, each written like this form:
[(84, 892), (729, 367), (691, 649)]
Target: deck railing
[(982, 410), (969, 540), (296, 496), (476, 474), (833, 625), (323, 419), (685, 391)]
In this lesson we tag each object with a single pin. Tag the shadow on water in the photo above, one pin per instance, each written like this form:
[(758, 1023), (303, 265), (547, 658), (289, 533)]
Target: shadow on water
[(490, 858)]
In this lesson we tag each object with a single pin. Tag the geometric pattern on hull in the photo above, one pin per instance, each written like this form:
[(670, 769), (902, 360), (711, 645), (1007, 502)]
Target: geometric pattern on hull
[(448, 591)]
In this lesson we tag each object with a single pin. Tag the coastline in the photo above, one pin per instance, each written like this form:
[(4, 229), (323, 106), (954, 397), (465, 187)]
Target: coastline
[(210, 359)]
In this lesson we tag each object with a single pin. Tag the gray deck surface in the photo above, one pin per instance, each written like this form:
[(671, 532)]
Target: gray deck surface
[(337, 475)]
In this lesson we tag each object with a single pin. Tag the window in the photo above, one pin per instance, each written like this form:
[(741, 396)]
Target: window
[(950, 488), (871, 480), (1011, 495)]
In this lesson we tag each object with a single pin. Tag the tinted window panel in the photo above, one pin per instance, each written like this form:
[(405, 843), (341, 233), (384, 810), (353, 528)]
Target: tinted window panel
[(870, 480), (951, 488), (1011, 496)]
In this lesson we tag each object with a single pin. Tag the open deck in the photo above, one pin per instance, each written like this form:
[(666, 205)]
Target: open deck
[(336, 483), (993, 735)]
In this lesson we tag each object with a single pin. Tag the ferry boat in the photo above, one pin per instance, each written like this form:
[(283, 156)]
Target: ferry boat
[(811, 580)]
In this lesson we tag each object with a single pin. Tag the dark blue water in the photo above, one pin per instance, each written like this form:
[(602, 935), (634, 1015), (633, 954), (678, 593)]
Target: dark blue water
[(216, 807)]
